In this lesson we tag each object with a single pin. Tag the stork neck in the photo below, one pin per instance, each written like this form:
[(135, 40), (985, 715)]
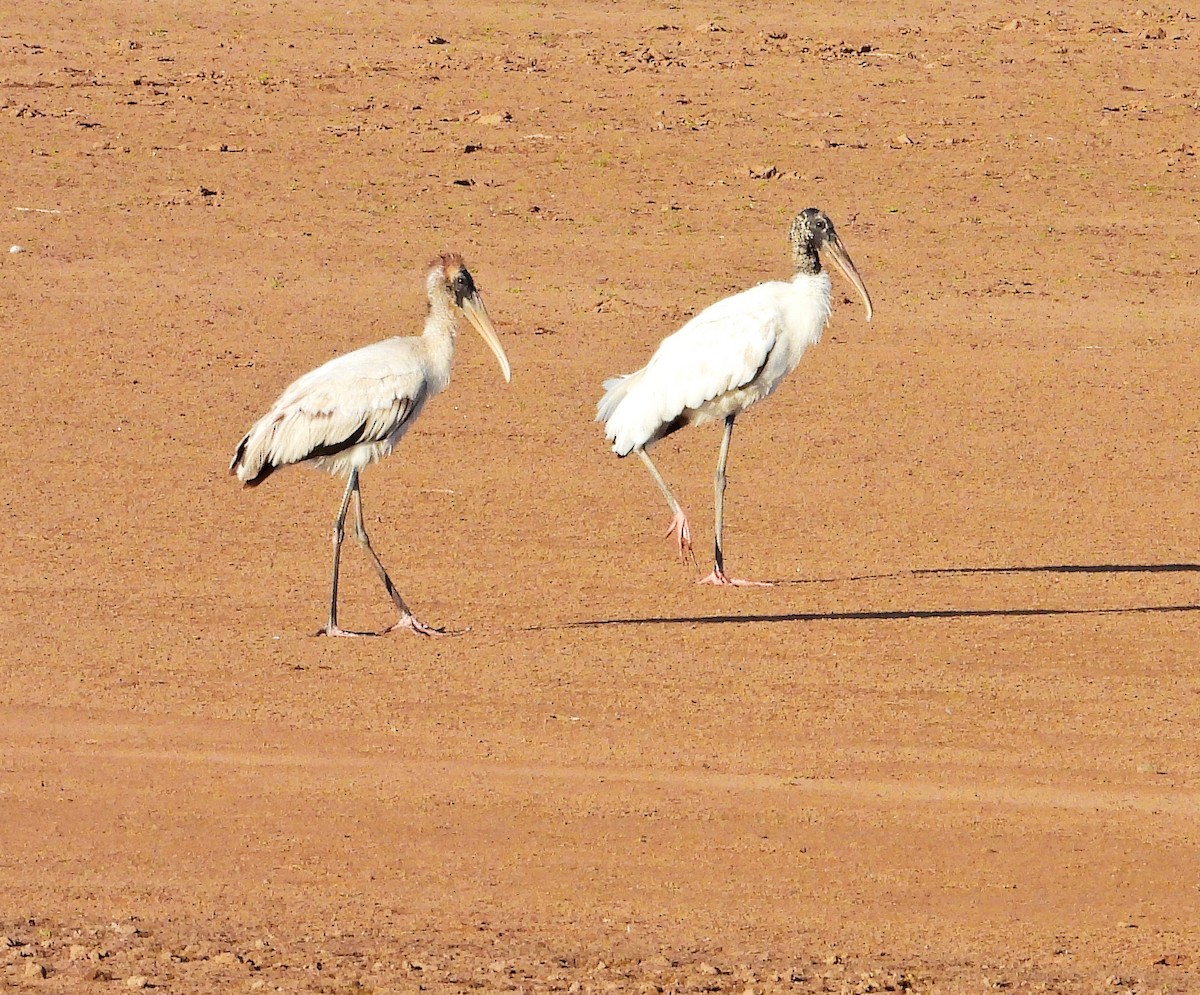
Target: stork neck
[(807, 261), (440, 331), (441, 322)]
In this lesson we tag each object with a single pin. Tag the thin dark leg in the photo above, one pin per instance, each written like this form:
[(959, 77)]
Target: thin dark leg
[(719, 497), (407, 619), (718, 575), (339, 533)]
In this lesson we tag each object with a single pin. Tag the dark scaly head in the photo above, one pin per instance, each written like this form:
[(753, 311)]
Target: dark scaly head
[(812, 233)]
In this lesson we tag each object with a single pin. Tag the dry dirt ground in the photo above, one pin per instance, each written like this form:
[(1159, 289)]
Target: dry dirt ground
[(953, 749)]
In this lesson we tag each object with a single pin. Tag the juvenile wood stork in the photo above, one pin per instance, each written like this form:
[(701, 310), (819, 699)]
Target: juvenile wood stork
[(353, 410), (727, 358)]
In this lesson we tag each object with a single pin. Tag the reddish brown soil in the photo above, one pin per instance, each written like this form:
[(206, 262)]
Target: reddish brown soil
[(954, 749)]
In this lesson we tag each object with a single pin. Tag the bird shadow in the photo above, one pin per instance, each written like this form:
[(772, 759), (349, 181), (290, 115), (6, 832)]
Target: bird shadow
[(1049, 568), (917, 614), (1071, 568), (875, 616)]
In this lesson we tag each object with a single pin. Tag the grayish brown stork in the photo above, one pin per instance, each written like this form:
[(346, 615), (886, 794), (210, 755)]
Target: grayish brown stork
[(351, 411)]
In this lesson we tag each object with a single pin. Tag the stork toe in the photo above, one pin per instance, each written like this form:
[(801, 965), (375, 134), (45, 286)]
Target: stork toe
[(682, 531)]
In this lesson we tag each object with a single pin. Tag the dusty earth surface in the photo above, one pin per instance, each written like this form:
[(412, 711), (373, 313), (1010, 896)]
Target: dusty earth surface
[(953, 749)]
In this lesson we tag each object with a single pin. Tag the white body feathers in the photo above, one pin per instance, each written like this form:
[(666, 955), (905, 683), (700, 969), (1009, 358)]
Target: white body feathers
[(724, 360), (371, 395)]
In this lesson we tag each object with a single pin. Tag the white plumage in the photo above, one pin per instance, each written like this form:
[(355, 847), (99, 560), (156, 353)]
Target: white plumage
[(731, 355), (373, 394), (351, 411), (727, 358)]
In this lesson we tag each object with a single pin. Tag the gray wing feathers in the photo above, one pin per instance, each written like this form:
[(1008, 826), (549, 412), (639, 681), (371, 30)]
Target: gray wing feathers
[(336, 407)]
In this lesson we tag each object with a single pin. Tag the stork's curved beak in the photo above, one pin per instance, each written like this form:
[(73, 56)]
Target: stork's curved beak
[(838, 253), (477, 315)]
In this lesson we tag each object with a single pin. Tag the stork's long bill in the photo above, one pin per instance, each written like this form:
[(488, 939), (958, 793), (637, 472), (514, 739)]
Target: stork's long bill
[(838, 253), (473, 307)]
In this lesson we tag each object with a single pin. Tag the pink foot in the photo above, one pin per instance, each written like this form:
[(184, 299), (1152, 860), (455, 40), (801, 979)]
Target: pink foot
[(718, 579), (682, 532), (414, 624), (334, 630)]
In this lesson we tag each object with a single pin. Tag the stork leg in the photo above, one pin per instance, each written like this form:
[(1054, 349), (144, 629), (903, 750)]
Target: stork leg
[(718, 576), (679, 523), (407, 619), (331, 627)]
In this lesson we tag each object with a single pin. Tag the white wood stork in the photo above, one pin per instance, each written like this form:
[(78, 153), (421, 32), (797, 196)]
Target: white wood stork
[(353, 410), (728, 357)]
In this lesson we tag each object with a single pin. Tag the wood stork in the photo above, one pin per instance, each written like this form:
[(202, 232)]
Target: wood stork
[(352, 411), (728, 357)]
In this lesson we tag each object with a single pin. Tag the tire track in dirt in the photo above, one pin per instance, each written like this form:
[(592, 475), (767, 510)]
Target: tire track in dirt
[(107, 741)]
